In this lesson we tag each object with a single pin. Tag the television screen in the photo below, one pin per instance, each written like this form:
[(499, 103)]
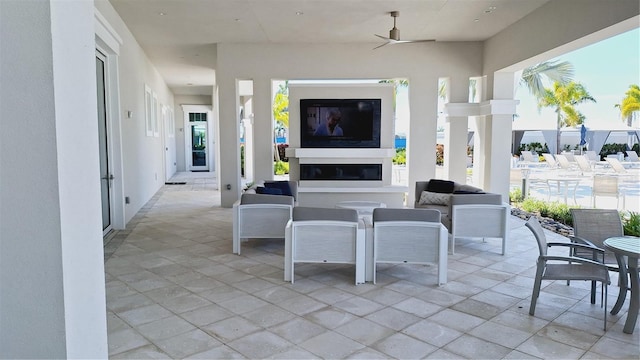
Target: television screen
[(340, 123)]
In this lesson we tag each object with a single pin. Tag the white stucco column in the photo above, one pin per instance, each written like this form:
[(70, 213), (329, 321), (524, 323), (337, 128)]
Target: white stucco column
[(229, 140), (493, 145), (263, 129), (421, 144), (52, 296), (455, 140)]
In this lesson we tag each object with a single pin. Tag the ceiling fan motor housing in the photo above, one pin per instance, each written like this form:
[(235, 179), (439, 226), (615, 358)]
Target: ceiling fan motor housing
[(394, 33)]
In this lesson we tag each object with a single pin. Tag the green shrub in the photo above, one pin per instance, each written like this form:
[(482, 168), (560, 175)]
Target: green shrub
[(401, 156), (608, 149), (515, 196), (558, 211), (631, 223), (280, 168)]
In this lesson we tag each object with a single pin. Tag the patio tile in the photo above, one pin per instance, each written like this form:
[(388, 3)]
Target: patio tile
[(401, 346), (358, 306), (145, 352), (569, 336), (268, 315), (500, 334), (231, 328), (544, 348), (297, 330), (364, 331), (123, 340), (259, 345), (164, 328), (432, 333), (615, 349), (206, 315), (145, 314), (341, 346), (472, 347), (393, 318), (417, 307), (330, 318), (456, 320), (186, 344)]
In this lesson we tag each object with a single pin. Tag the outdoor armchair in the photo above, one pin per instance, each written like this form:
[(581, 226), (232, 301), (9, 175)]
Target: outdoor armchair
[(486, 218), (324, 235), (592, 227), (260, 216), (410, 236), (553, 267)]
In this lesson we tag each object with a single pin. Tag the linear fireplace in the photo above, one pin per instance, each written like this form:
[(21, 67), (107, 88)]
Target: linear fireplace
[(341, 172)]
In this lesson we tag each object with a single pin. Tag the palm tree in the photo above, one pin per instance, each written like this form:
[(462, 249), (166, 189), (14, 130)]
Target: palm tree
[(630, 104), (564, 98), (533, 77)]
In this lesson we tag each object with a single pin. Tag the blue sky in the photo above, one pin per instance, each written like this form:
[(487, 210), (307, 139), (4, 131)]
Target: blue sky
[(606, 69)]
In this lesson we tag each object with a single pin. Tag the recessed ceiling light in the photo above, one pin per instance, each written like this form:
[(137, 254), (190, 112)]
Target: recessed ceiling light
[(476, 20), (237, 20), (299, 13), (162, 13)]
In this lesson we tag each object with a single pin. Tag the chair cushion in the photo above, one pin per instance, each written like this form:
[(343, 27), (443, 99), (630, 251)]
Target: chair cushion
[(301, 213), (268, 191), (468, 192), (440, 186), (427, 215), (435, 198), (468, 189), (283, 186), (265, 199)]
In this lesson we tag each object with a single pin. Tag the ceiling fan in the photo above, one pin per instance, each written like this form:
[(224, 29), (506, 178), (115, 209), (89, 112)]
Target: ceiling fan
[(394, 34)]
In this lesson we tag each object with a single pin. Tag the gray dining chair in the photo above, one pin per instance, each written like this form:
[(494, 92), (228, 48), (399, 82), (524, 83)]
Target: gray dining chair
[(554, 267), (592, 227)]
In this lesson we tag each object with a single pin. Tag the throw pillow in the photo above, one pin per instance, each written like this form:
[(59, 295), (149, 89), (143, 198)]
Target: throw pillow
[(468, 188), (268, 191), (284, 186), (434, 198), (468, 192), (440, 186)]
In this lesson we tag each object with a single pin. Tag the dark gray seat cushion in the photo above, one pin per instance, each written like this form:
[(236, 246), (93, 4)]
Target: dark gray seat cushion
[(389, 214), (266, 199), (302, 213)]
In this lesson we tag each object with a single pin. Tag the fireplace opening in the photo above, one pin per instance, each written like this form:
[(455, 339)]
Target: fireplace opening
[(357, 172)]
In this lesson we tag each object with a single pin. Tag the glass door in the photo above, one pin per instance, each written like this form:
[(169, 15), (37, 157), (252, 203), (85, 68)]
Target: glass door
[(106, 177), (199, 158)]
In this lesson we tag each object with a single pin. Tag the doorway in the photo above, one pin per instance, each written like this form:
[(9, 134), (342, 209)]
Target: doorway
[(106, 175), (198, 143)]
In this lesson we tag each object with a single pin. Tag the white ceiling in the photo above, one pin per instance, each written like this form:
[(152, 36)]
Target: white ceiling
[(179, 35)]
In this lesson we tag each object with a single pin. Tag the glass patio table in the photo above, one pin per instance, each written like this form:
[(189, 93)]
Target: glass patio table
[(628, 246)]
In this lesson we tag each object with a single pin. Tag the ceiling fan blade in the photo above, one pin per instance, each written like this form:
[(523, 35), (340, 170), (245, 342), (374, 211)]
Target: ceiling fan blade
[(379, 46), (382, 37)]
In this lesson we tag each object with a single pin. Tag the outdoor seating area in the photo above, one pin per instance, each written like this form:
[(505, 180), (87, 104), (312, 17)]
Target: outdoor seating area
[(582, 182), (176, 290)]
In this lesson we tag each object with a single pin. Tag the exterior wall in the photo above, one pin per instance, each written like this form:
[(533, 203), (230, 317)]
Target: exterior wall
[(143, 163), (422, 64), (52, 302)]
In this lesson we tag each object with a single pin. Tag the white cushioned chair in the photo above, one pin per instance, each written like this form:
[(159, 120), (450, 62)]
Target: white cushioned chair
[(260, 216), (324, 235), (410, 236), (488, 218)]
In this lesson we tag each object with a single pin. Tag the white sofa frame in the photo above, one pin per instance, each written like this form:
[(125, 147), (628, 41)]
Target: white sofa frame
[(266, 221), (411, 242), (324, 241), (480, 221)]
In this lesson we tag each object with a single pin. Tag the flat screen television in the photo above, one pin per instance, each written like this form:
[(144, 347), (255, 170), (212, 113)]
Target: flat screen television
[(340, 123)]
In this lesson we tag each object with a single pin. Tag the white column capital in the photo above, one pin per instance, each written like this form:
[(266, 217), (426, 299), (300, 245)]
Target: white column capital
[(498, 107)]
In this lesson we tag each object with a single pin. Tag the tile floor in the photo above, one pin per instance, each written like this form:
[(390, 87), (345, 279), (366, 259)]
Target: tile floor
[(175, 290)]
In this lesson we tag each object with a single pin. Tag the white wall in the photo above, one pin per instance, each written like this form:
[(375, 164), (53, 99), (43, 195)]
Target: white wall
[(180, 100), (422, 64), (143, 162), (52, 298)]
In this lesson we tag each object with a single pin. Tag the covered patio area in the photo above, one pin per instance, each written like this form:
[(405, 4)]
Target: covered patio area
[(175, 290)]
